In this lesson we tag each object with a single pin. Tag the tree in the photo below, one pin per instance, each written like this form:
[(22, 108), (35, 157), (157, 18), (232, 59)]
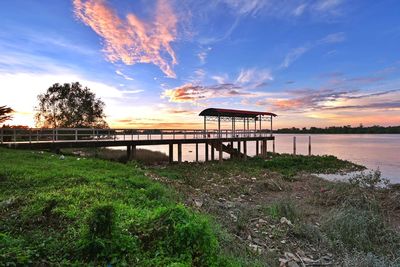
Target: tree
[(5, 113), (70, 106)]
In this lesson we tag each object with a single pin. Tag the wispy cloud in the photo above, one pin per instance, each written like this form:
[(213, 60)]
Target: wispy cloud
[(242, 86), (296, 53), (126, 77), (283, 9), (132, 40)]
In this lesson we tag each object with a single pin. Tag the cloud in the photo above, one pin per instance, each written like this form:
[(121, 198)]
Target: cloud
[(293, 55), (246, 7), (296, 53), (315, 100), (326, 5), (247, 80), (126, 77), (132, 40), (192, 93), (283, 9), (254, 76)]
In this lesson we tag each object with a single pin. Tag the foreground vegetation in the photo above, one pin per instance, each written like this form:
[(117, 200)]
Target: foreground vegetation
[(276, 208), (69, 210), (81, 210)]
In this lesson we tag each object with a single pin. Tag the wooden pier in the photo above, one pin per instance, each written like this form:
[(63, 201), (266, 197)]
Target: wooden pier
[(221, 141)]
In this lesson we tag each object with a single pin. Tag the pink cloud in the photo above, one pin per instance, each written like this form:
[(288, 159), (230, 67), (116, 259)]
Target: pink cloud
[(132, 40)]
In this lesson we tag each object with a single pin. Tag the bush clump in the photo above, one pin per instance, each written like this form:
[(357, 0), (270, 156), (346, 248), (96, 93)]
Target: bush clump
[(283, 208), (180, 234), (364, 230)]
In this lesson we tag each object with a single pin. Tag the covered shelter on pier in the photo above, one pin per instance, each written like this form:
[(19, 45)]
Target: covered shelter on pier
[(233, 115)]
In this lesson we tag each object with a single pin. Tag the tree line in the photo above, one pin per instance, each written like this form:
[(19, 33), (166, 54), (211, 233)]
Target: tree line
[(347, 129)]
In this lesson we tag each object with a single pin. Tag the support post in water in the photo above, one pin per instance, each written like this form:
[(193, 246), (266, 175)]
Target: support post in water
[(264, 148), (128, 153), (133, 148), (212, 152), (220, 152), (309, 145), (206, 151), (171, 153), (238, 146), (179, 153), (257, 148), (231, 154), (245, 149), (197, 152), (294, 145), (273, 146)]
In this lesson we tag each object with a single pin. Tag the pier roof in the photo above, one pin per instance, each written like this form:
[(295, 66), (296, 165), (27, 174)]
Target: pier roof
[(234, 113)]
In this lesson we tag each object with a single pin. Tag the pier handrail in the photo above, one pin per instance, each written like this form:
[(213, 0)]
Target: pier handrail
[(36, 135)]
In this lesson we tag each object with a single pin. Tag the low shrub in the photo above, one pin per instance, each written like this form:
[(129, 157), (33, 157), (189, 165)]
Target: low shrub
[(364, 230), (180, 234), (283, 208)]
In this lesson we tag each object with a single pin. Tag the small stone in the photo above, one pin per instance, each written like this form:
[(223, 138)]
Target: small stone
[(262, 221), (286, 221), (62, 157), (198, 203), (292, 264), (283, 241)]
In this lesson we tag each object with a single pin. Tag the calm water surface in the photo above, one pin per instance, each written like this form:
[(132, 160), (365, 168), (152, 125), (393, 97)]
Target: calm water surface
[(373, 151)]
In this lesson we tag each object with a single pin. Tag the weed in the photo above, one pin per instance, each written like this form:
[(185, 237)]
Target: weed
[(283, 208), (369, 180), (364, 230)]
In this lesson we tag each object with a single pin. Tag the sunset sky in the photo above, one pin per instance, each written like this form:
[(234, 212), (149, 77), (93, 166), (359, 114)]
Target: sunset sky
[(158, 63)]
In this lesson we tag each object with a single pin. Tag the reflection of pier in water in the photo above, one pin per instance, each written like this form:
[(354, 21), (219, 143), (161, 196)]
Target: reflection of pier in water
[(245, 126)]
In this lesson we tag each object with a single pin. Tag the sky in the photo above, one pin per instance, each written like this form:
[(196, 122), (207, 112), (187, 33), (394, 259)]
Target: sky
[(158, 63)]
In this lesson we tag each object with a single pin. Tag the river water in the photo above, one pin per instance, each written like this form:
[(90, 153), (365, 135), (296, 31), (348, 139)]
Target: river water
[(371, 150)]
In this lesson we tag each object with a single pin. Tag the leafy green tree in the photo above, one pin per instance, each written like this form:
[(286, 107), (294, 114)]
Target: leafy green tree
[(70, 106), (5, 113)]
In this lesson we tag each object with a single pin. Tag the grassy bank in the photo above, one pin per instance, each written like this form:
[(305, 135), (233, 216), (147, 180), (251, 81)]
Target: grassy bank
[(144, 156), (74, 210), (78, 210), (279, 213)]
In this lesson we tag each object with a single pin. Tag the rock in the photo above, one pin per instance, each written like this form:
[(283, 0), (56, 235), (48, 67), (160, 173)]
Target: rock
[(292, 264), (286, 221), (256, 248), (291, 256), (262, 221), (283, 241), (198, 203), (62, 157)]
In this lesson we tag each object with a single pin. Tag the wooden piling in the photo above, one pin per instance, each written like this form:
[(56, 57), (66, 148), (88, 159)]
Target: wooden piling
[(206, 151), (238, 146), (128, 153), (171, 153), (245, 149), (309, 145), (220, 152), (264, 148), (273, 146), (294, 145), (197, 152), (257, 148), (133, 149), (179, 153), (212, 152), (231, 154)]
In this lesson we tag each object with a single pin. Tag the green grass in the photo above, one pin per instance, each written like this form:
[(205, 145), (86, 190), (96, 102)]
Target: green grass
[(290, 165), (285, 164), (93, 212)]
